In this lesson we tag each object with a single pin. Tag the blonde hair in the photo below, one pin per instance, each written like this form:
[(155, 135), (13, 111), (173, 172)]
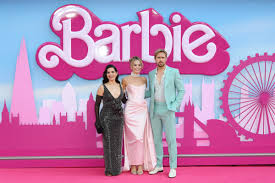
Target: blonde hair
[(134, 59), (160, 51)]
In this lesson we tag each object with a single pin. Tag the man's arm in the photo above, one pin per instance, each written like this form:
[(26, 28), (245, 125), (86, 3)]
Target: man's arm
[(148, 92), (179, 88)]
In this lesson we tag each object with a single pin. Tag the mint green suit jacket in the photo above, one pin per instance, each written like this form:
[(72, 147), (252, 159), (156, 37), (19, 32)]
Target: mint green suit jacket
[(173, 89)]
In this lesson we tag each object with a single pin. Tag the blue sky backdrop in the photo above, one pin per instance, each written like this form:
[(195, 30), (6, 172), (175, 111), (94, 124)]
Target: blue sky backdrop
[(248, 27)]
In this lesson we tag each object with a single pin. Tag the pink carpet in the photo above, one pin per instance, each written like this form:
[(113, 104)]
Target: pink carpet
[(198, 174)]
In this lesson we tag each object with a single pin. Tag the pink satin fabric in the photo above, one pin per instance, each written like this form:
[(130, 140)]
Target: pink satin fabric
[(139, 146)]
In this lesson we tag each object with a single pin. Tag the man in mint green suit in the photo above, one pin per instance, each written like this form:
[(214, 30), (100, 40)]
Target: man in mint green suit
[(166, 92)]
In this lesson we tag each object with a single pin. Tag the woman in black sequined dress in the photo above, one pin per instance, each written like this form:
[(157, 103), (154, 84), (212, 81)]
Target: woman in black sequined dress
[(111, 119)]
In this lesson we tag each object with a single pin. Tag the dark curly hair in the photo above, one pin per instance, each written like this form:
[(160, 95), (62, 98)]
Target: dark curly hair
[(105, 78)]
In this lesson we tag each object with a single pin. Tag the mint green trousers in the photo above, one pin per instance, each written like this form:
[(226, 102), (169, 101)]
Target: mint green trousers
[(164, 119)]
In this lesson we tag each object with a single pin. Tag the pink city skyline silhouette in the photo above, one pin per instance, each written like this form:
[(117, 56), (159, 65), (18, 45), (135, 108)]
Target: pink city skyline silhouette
[(69, 134)]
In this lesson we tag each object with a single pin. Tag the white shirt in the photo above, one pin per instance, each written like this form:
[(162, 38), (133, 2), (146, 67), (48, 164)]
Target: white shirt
[(159, 88)]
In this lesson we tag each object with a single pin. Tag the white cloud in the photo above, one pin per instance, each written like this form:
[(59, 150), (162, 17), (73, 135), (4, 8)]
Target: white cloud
[(6, 92), (86, 88), (43, 92), (82, 90)]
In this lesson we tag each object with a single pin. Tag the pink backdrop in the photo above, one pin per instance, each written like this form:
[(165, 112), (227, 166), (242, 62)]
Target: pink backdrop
[(247, 126)]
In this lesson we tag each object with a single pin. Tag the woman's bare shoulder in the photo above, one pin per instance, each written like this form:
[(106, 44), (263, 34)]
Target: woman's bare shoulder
[(126, 78), (144, 79)]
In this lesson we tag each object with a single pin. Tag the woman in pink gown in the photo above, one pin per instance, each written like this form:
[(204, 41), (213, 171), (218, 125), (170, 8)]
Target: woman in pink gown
[(139, 149)]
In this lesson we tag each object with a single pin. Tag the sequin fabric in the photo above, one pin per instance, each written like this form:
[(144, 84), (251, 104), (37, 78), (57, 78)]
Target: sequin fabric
[(111, 117)]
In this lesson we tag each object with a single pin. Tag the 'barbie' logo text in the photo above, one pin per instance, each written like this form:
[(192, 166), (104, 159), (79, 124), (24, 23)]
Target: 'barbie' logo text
[(87, 44)]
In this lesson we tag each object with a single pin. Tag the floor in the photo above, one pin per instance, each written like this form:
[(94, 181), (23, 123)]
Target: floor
[(196, 174)]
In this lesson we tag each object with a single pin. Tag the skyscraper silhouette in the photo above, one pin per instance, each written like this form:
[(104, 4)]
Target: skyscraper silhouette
[(5, 114), (22, 98), (69, 101)]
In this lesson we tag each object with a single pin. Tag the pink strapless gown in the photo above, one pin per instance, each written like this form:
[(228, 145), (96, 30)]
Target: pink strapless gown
[(139, 146)]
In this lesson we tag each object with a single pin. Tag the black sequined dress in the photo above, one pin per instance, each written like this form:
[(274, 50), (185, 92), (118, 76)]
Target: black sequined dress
[(111, 117)]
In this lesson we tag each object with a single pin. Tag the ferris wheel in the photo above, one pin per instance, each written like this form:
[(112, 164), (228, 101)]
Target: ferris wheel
[(248, 96)]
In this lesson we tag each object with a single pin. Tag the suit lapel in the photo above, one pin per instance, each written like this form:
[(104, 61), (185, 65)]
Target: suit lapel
[(166, 75), (153, 79)]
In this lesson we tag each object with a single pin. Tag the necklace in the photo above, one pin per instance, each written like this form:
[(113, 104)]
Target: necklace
[(134, 75)]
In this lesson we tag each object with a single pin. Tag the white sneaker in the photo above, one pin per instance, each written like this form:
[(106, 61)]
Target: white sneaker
[(172, 173), (156, 170)]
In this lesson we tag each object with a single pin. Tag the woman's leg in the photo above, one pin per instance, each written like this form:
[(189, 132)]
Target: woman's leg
[(133, 169), (140, 170)]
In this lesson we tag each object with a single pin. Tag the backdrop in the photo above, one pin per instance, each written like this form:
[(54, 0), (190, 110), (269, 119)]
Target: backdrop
[(224, 51)]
